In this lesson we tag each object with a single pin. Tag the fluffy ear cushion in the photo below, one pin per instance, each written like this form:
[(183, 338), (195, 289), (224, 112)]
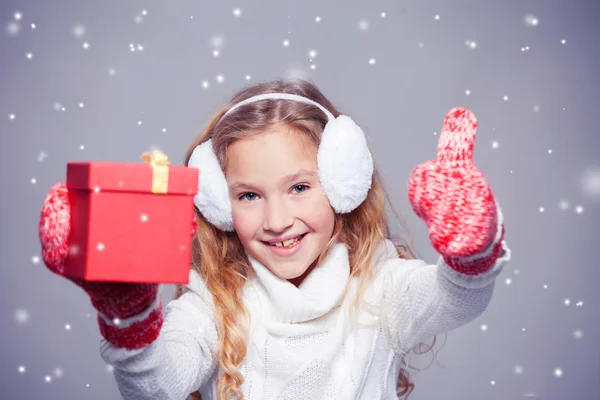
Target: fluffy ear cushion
[(345, 164), (212, 199)]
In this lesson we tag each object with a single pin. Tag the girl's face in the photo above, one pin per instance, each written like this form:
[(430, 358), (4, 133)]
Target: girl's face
[(280, 212)]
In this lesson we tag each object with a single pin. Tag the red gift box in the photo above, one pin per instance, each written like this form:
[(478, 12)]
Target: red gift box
[(131, 222)]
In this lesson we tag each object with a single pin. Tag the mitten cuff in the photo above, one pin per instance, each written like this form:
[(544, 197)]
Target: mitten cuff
[(121, 300), (484, 261), (134, 332)]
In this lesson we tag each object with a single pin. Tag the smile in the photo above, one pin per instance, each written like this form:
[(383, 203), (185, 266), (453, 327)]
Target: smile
[(287, 248)]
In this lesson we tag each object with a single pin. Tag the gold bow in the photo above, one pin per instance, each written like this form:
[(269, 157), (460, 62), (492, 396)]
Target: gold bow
[(160, 170)]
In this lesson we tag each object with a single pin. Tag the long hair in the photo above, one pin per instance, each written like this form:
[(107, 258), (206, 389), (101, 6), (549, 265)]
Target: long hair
[(219, 256)]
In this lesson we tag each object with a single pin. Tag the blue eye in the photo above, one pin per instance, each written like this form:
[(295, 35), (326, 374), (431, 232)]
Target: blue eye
[(301, 188), (248, 196)]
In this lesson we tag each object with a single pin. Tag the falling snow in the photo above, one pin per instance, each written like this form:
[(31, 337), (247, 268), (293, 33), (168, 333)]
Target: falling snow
[(591, 182), (519, 370), (217, 41), (22, 316), (558, 372), (79, 31), (13, 28), (135, 47), (139, 18), (531, 20), (564, 205), (213, 48), (471, 44)]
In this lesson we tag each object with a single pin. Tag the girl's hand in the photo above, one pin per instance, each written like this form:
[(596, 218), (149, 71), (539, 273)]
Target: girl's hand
[(452, 196), (130, 314)]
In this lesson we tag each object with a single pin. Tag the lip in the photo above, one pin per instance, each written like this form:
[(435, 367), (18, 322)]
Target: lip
[(287, 252)]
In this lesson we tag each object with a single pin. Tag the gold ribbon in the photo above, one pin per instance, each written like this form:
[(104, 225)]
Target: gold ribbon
[(160, 170)]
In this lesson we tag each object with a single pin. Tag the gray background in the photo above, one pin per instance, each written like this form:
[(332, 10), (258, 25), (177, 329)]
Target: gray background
[(423, 68)]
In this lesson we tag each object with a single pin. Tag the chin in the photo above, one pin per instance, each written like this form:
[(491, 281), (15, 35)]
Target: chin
[(291, 273), (285, 267), (286, 270)]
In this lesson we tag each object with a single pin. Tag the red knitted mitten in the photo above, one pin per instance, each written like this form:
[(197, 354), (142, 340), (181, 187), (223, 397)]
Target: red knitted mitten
[(453, 198), (129, 314)]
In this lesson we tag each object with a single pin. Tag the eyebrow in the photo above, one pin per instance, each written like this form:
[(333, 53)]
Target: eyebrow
[(302, 173)]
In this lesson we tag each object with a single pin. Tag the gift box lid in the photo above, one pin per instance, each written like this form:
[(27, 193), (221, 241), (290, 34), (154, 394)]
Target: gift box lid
[(128, 177)]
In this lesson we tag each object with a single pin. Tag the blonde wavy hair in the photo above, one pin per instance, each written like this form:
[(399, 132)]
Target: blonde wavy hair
[(219, 256)]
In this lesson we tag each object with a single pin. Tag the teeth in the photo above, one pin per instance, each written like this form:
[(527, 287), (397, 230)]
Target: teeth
[(287, 243)]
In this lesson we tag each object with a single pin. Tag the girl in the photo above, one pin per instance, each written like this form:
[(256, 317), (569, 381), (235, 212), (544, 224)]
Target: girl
[(296, 291)]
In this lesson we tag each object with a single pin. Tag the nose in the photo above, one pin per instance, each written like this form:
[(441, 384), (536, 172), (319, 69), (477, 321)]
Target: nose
[(277, 217)]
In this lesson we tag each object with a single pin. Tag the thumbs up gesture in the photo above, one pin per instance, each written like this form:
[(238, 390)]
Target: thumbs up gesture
[(453, 198)]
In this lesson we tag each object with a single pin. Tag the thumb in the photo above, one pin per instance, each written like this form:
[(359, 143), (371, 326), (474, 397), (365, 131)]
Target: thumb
[(54, 227), (457, 137)]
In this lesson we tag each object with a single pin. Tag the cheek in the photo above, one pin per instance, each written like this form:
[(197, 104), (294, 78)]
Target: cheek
[(319, 215), (245, 223)]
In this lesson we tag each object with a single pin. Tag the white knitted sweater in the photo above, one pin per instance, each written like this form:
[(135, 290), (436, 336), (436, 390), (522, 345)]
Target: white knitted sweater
[(301, 344)]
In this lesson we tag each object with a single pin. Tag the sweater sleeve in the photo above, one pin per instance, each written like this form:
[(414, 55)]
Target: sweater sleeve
[(177, 363), (427, 300)]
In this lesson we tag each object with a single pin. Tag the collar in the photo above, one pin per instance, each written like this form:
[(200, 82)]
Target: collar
[(321, 291), (318, 293)]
